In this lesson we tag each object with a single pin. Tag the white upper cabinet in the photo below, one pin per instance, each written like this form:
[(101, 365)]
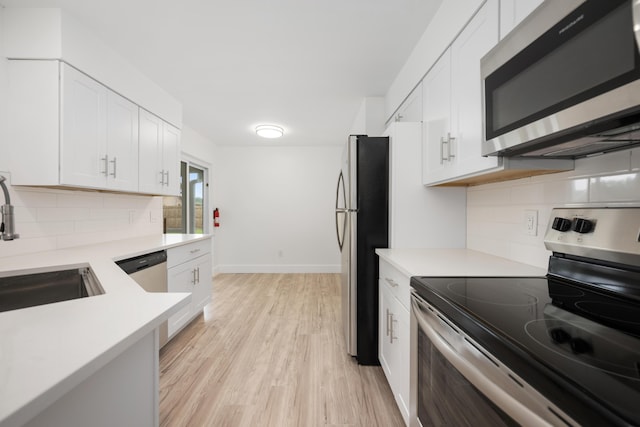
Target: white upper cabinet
[(122, 143), (452, 103), (99, 135), (436, 88), (478, 37), (159, 171), (83, 147), (512, 12), (171, 158), (68, 129)]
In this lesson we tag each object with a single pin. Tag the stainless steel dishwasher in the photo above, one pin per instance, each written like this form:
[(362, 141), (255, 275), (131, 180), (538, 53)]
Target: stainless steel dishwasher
[(150, 272)]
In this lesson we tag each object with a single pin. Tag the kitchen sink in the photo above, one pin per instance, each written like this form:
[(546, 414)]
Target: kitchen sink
[(21, 290)]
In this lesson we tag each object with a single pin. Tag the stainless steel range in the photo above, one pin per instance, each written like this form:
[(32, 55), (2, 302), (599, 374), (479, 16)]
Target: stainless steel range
[(557, 350)]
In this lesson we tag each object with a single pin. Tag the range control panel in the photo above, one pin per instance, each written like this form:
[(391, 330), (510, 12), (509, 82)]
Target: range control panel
[(611, 234)]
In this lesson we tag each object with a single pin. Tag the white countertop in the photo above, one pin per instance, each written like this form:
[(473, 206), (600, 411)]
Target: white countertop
[(47, 350), (455, 262)]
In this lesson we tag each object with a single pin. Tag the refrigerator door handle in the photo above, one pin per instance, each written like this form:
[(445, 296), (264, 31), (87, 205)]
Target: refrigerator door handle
[(341, 210), (340, 242)]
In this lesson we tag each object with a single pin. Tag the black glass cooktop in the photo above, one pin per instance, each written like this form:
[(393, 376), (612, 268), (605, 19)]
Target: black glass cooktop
[(578, 346)]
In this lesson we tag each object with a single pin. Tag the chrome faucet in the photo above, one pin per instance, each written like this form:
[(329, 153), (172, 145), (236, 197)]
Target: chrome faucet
[(7, 226)]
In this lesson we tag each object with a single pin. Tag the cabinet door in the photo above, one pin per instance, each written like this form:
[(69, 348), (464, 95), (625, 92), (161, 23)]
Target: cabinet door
[(512, 12), (478, 37), (83, 146), (181, 278), (150, 171), (436, 100), (402, 334), (122, 143), (386, 349), (393, 342), (202, 290), (171, 159)]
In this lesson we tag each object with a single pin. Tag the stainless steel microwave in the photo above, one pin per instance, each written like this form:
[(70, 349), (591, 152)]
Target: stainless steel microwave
[(565, 83)]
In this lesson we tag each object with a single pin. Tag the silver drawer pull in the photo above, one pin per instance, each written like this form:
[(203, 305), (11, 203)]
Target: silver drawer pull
[(388, 323), (392, 282), (391, 337), (193, 251)]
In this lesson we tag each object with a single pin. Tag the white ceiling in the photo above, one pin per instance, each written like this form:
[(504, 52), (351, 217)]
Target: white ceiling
[(302, 64)]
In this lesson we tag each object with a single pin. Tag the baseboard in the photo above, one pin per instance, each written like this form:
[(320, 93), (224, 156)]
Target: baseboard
[(271, 268)]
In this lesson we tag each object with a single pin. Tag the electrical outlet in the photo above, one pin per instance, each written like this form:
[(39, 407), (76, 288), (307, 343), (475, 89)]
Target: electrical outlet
[(531, 222)]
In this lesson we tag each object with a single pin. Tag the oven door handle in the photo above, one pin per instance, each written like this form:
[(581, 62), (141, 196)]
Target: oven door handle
[(477, 377)]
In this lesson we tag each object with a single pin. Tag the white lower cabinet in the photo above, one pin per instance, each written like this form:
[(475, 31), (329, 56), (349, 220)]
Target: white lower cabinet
[(394, 333), (189, 270)]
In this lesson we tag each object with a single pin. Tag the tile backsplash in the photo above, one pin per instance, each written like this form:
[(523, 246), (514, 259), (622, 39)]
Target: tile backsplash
[(496, 212), (49, 219)]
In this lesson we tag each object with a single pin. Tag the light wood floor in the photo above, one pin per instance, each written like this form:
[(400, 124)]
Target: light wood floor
[(268, 351)]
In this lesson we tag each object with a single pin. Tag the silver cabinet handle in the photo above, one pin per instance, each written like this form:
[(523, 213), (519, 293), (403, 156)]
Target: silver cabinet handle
[(449, 154), (162, 177), (198, 270), (167, 183), (105, 159), (442, 142), (388, 322), (193, 275), (115, 165), (392, 282), (391, 337), (193, 251)]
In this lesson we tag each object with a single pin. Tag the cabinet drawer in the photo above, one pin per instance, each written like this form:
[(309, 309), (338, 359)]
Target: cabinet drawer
[(397, 282), (186, 252)]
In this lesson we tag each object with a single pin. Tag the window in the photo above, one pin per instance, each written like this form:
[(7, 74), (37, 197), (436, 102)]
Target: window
[(186, 213)]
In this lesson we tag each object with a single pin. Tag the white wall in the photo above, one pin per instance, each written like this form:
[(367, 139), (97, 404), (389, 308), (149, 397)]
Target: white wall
[(370, 118), (495, 212), (277, 209)]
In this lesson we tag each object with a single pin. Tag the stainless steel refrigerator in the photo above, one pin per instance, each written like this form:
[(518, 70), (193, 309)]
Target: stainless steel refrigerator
[(362, 225)]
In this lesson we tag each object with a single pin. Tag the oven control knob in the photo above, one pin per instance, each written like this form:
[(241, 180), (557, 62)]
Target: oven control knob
[(561, 224), (559, 335), (581, 225), (579, 345)]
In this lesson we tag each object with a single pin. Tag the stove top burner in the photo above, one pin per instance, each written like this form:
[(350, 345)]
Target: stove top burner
[(586, 343), (599, 306), (476, 291)]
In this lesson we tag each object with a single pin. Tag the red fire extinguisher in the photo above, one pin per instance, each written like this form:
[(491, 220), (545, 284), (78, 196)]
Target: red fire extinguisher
[(216, 217)]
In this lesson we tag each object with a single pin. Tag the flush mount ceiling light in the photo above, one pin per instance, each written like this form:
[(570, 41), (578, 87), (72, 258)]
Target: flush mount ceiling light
[(269, 131)]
